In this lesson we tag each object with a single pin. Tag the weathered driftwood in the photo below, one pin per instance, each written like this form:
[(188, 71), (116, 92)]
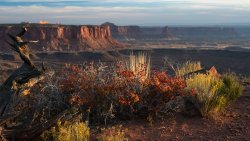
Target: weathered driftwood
[(26, 74), (19, 81), (2, 138)]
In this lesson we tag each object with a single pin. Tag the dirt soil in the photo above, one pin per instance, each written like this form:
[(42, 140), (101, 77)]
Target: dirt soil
[(232, 125)]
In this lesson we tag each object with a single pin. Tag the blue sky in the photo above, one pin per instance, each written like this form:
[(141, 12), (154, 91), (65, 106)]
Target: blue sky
[(121, 12)]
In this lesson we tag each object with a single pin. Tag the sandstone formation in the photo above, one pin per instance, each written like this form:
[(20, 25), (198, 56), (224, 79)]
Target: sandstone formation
[(55, 37), (63, 37), (172, 33), (138, 33), (124, 32)]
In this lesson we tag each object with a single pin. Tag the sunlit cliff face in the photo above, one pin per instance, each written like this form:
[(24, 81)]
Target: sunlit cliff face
[(59, 37)]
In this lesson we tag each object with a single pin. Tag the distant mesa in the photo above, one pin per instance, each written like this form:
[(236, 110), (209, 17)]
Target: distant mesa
[(55, 37), (134, 32)]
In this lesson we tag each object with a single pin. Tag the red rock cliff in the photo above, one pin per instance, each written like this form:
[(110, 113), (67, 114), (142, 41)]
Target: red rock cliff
[(63, 37)]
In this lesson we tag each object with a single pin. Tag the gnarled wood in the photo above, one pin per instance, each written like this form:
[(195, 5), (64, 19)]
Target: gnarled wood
[(31, 132), (19, 81), (20, 76)]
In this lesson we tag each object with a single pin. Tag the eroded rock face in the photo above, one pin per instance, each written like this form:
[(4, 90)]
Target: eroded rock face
[(124, 32), (174, 33), (63, 37), (138, 33)]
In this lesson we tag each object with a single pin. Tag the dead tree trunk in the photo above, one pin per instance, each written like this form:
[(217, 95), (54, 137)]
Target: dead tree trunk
[(20, 80), (25, 76)]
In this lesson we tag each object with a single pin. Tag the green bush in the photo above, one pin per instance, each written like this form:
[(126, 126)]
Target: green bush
[(207, 88), (67, 131), (232, 88), (213, 93)]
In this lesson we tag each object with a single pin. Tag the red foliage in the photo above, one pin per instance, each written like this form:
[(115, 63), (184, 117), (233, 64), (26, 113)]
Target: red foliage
[(167, 85), (89, 88), (129, 99)]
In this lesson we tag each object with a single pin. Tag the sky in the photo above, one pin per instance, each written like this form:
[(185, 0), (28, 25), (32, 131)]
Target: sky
[(121, 12)]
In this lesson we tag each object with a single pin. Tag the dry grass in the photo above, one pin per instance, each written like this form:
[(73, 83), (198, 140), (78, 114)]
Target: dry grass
[(214, 93), (114, 133), (139, 64), (207, 89), (187, 67), (67, 131)]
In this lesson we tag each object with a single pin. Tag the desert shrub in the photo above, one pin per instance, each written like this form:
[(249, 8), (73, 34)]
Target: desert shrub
[(67, 131), (162, 89), (114, 133), (213, 93), (232, 88), (90, 86), (228, 92), (103, 89), (207, 89), (187, 67), (107, 92)]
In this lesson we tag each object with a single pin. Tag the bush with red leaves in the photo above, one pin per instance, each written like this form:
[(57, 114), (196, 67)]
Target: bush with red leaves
[(96, 89)]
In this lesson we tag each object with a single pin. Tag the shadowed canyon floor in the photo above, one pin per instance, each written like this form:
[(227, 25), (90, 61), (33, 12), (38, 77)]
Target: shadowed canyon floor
[(223, 60)]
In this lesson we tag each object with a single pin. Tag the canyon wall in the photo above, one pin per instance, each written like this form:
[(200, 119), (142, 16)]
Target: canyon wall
[(173, 33), (138, 33), (54, 37), (62, 37)]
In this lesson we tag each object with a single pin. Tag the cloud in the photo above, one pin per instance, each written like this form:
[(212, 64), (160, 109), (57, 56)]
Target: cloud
[(71, 14), (142, 12)]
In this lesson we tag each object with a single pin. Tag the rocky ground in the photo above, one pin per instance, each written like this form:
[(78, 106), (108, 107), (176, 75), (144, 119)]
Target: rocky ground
[(232, 125)]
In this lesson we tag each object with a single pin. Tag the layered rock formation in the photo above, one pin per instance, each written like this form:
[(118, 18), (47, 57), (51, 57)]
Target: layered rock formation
[(124, 32), (54, 37), (169, 33), (139, 33), (63, 37)]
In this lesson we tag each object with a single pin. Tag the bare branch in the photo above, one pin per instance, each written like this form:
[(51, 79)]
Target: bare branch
[(24, 30)]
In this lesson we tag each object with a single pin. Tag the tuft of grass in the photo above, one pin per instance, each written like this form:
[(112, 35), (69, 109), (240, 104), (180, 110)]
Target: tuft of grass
[(67, 131), (139, 64), (112, 134), (207, 89), (229, 91), (232, 88), (187, 67)]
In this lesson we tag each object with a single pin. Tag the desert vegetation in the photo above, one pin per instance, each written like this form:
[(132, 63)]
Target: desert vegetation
[(100, 94), (213, 93), (67, 104)]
